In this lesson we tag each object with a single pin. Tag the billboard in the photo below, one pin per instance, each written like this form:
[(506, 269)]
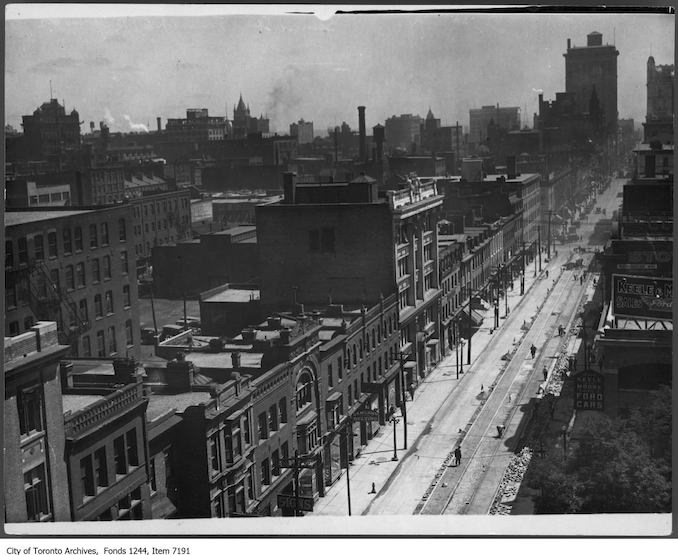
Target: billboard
[(642, 297), (589, 391)]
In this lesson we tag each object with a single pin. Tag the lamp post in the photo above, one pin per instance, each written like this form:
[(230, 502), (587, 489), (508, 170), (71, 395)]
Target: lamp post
[(349, 426), (504, 275), (548, 237), (395, 454), (403, 404), (522, 273), (539, 244)]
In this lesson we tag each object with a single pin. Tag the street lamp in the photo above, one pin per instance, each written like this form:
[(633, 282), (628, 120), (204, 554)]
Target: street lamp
[(522, 282), (395, 421), (403, 408)]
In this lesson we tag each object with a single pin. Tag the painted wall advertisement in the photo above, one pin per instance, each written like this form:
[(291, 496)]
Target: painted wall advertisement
[(588, 391), (642, 297)]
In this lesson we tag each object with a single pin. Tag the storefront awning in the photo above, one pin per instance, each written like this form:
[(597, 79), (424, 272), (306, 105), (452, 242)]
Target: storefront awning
[(431, 342), (476, 317)]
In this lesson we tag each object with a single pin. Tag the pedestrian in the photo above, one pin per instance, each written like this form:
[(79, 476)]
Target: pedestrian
[(411, 390), (547, 273), (545, 372), (533, 350), (457, 456)]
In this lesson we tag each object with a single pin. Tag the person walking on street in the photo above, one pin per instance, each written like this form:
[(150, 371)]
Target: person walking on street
[(533, 350), (411, 390), (457, 456), (545, 372)]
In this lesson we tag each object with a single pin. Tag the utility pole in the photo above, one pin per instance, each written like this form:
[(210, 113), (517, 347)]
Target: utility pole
[(539, 244), (470, 320), (548, 238), (349, 427), (403, 409), (522, 273), (297, 463)]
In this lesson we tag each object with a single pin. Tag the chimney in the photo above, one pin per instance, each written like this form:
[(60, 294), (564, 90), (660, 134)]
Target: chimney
[(361, 130), (179, 374), (285, 335), (511, 167), (124, 369), (248, 335), (290, 187), (568, 44), (159, 122), (378, 136), (336, 144), (66, 374), (91, 127), (235, 360)]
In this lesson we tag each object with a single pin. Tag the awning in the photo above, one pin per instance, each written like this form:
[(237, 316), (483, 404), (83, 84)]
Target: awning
[(333, 399), (476, 317), (307, 419), (431, 342)]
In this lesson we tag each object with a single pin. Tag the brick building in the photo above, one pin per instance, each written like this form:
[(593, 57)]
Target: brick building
[(197, 126), (74, 267), (49, 132)]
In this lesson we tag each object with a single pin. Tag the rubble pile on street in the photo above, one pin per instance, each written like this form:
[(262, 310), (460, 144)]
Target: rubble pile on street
[(510, 482)]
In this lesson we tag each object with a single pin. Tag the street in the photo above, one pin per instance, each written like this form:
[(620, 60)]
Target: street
[(494, 391)]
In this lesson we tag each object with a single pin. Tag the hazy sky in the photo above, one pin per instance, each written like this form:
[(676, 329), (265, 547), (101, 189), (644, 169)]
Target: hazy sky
[(129, 70)]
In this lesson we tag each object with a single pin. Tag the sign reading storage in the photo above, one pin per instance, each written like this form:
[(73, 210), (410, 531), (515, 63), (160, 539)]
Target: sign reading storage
[(642, 297)]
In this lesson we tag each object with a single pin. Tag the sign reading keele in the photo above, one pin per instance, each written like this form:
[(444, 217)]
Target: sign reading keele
[(642, 297)]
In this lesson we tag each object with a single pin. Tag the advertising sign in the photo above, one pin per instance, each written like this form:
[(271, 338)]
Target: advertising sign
[(366, 415), (642, 297), (290, 502), (588, 391)]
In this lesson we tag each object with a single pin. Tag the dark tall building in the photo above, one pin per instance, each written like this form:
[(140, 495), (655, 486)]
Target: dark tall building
[(659, 119), (593, 68), (50, 131)]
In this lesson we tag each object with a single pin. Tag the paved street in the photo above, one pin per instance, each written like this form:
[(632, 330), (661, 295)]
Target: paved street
[(448, 411)]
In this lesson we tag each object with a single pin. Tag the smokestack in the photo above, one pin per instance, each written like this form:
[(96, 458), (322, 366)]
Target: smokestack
[(361, 130), (511, 167), (289, 187), (336, 144), (159, 120), (568, 44), (378, 136), (91, 127)]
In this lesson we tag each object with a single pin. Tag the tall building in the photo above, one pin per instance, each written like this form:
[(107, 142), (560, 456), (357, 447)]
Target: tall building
[(591, 71), (50, 131), (244, 124), (303, 131), (403, 132), (659, 119), (507, 118)]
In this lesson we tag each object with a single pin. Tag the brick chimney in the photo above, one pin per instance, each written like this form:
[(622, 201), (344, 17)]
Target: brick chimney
[(290, 187), (235, 360), (179, 374)]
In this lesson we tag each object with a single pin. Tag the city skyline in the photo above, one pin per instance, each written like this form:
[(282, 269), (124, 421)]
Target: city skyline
[(441, 61)]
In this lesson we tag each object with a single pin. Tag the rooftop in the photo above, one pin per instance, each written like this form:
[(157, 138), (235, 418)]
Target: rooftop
[(74, 402), (233, 296), (161, 403), (21, 217), (224, 360)]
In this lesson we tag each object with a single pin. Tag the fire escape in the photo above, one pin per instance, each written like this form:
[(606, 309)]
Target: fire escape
[(49, 302)]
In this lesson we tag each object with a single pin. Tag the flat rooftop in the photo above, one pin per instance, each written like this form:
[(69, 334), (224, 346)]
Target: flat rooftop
[(17, 218), (160, 403), (224, 360), (75, 402), (233, 296)]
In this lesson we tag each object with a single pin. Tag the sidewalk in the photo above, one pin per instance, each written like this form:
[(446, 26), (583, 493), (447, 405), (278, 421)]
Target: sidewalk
[(374, 466)]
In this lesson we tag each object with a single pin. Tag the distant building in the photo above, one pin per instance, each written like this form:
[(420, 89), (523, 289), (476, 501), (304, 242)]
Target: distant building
[(479, 118), (303, 131), (660, 86), (244, 124), (50, 131), (39, 189), (197, 126), (237, 210), (403, 132), (591, 71)]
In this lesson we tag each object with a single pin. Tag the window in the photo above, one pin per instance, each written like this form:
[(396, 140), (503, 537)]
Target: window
[(107, 267), (275, 459), (72, 314), (10, 296), (330, 377), (104, 233), (23, 250), (101, 346), (93, 236), (100, 468), (215, 453), (52, 244), (282, 406), (29, 402), (84, 317), (39, 247), (327, 239), (304, 390), (80, 274), (119, 456), (284, 451), (132, 451), (112, 343), (153, 482), (262, 426), (87, 477), (265, 473), (70, 280), (9, 254), (273, 418), (96, 271), (340, 369), (128, 332), (98, 307), (78, 238), (86, 347), (125, 296), (350, 395), (28, 322), (35, 490), (109, 302), (68, 244), (123, 262), (246, 428), (14, 328)]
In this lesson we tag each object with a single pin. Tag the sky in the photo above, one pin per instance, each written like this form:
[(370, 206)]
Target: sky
[(129, 69)]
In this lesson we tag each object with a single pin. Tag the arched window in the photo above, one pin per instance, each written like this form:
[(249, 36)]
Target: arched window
[(374, 342), (355, 355), (304, 389)]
